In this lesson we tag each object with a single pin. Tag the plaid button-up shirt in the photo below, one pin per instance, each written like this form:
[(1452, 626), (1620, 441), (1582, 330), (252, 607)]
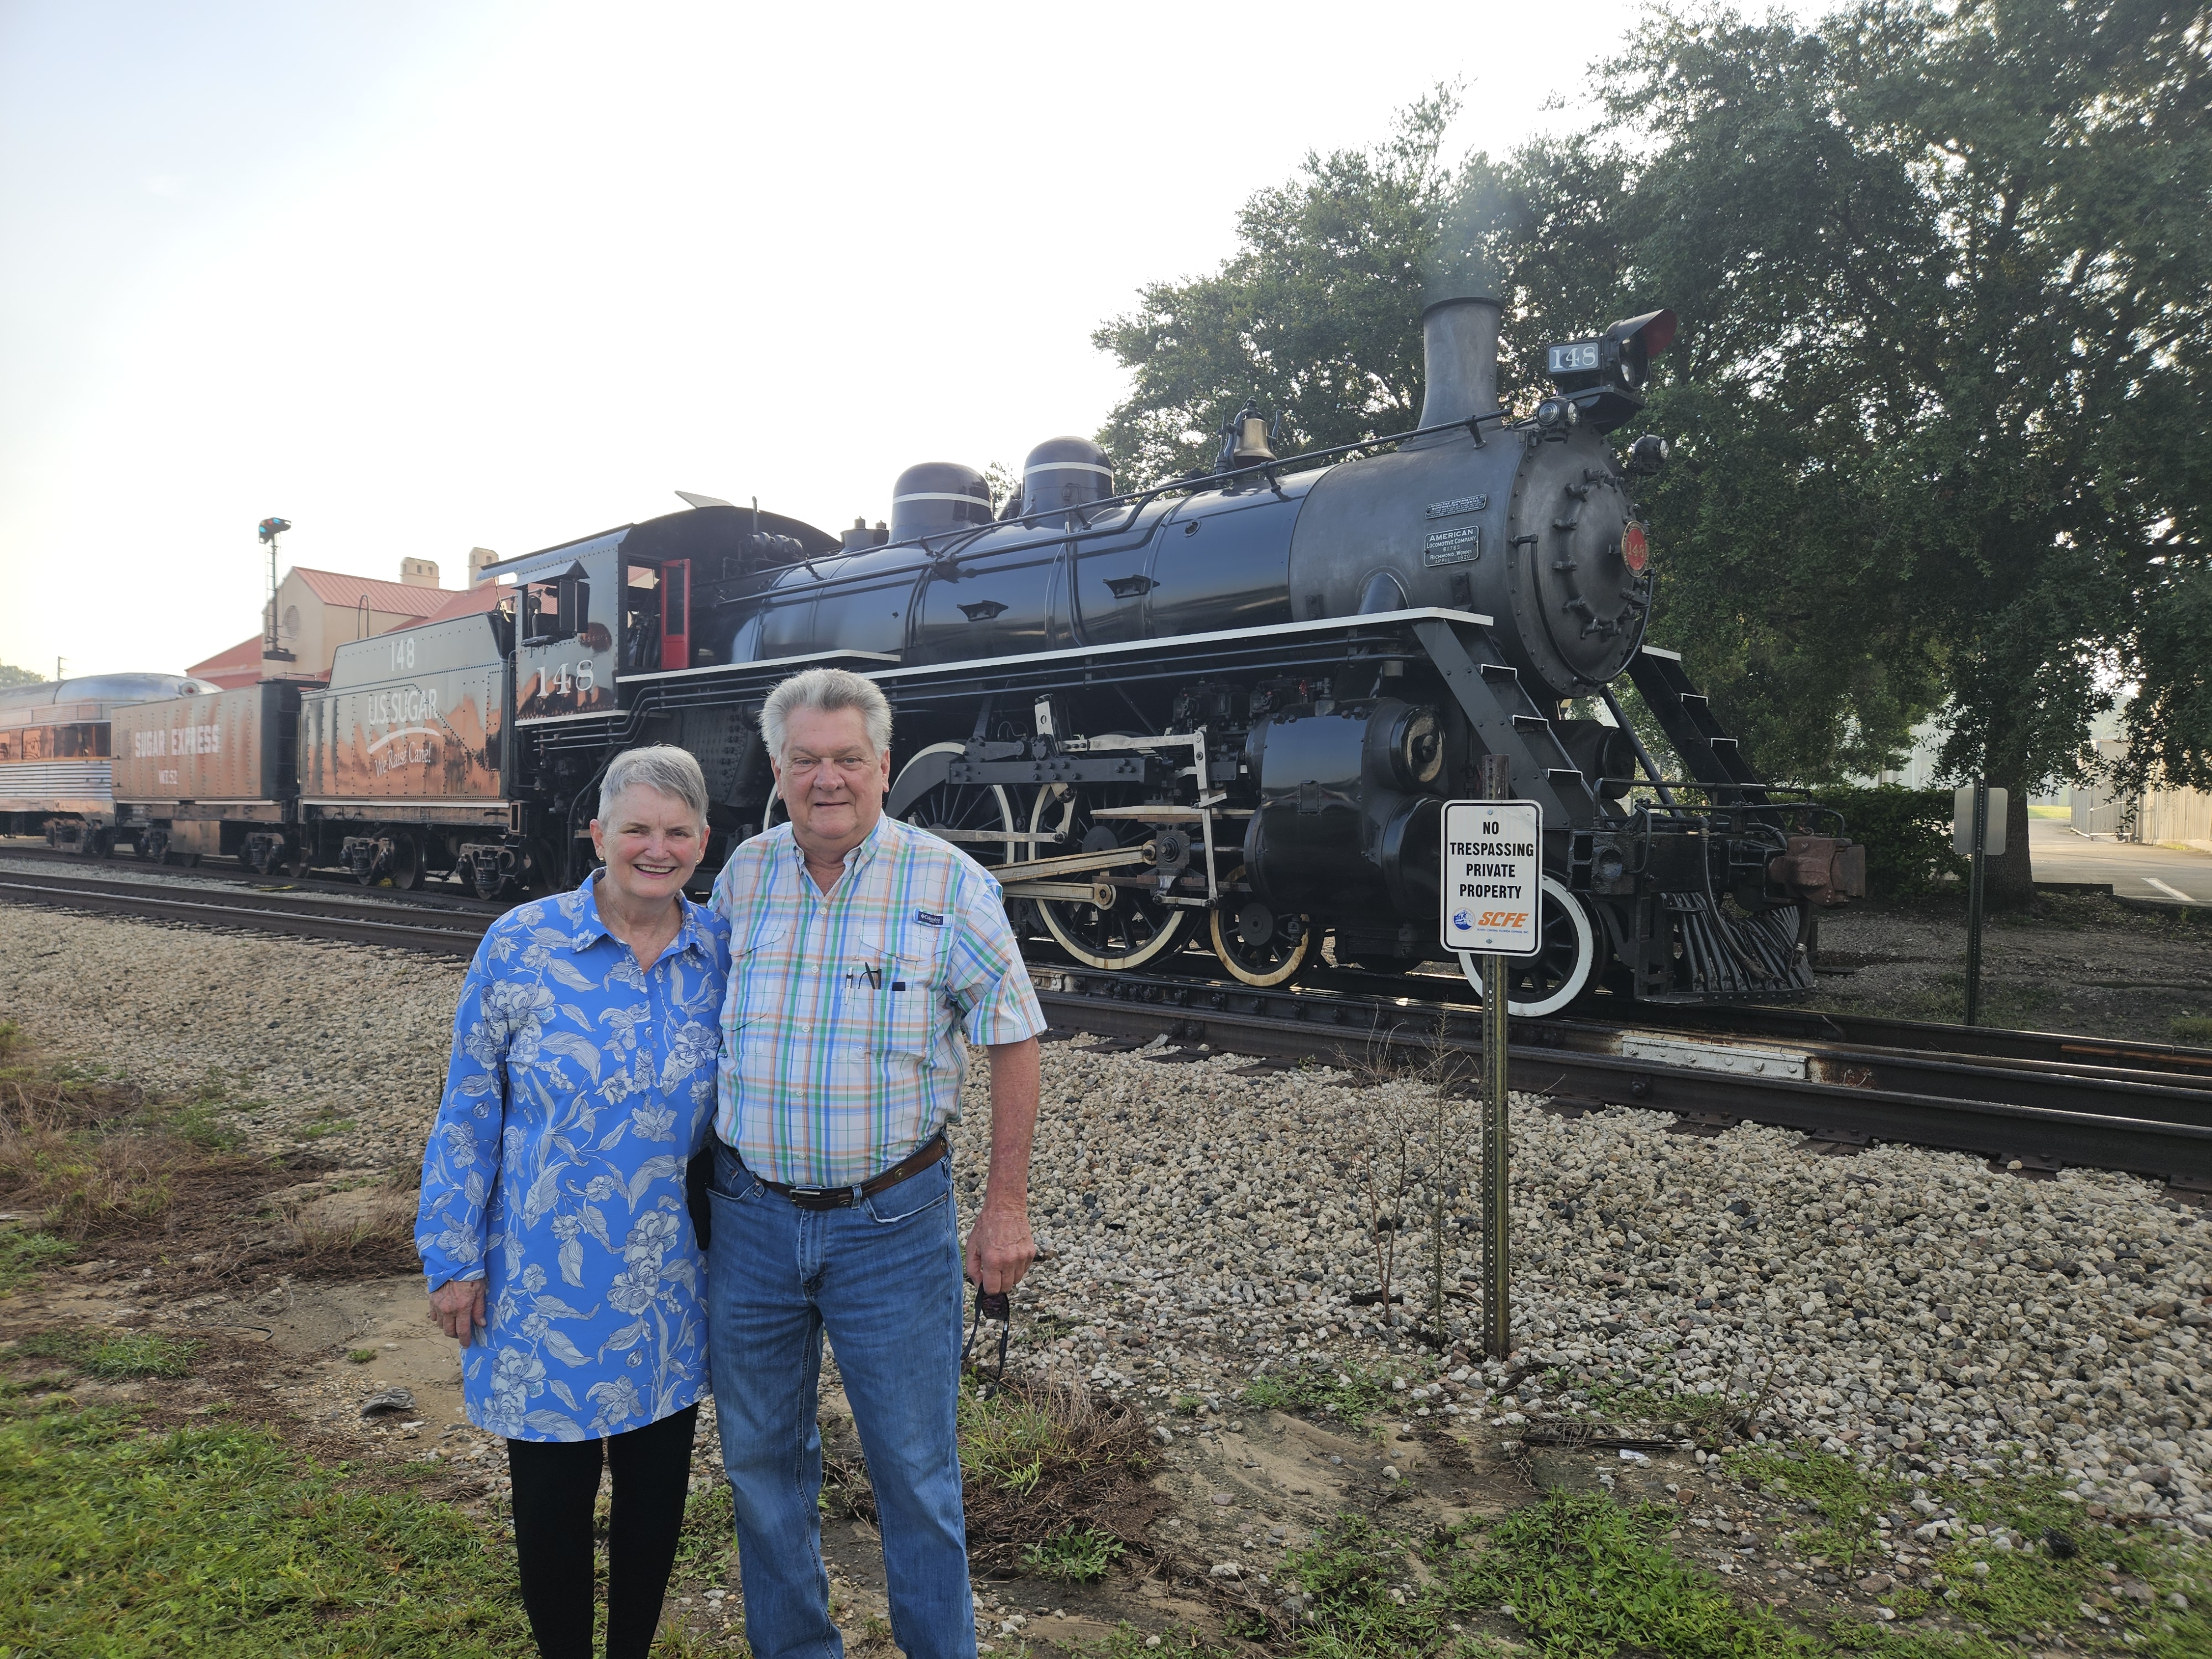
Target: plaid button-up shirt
[(841, 1050)]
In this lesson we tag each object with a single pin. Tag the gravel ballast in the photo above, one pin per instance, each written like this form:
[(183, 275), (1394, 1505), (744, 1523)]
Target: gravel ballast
[(1202, 1222)]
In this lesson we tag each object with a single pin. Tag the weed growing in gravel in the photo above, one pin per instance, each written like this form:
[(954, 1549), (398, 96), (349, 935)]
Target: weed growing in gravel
[(1080, 1555), (1040, 1461), (1006, 1440), (11, 1039), (2031, 1589), (1701, 1414), (116, 1357), (1847, 1498), (1349, 1391), (2190, 1028), (705, 1549), (1582, 1574), (134, 1545), (23, 1254)]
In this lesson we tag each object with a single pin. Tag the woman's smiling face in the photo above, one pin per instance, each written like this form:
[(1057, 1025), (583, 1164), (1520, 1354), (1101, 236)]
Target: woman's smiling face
[(651, 843)]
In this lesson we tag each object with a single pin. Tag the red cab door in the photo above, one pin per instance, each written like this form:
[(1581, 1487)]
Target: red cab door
[(675, 614)]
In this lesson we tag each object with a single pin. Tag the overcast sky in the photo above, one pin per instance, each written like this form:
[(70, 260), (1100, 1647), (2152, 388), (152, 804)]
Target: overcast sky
[(424, 276)]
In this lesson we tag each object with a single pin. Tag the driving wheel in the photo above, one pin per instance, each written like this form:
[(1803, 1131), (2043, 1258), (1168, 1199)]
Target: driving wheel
[(1116, 927), (964, 809), (1565, 966), (1254, 944)]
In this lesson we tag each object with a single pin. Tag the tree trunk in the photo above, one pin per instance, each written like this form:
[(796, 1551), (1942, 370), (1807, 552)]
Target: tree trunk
[(2011, 877)]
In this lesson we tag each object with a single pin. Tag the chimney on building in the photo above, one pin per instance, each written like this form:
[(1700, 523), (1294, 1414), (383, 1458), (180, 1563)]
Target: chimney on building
[(478, 558), (418, 573)]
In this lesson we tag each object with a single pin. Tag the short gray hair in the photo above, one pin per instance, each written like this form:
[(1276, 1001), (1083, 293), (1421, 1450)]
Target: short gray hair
[(660, 766), (827, 690)]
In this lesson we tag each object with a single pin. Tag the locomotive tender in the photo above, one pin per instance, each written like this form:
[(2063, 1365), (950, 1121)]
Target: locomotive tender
[(1220, 713)]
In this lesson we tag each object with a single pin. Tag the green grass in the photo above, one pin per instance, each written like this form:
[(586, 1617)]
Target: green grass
[(1583, 1574), (2185, 1028), (1699, 1413), (23, 1254), (117, 1356), (1006, 1440), (1349, 1391), (706, 1548), (2026, 1593), (219, 1541), (360, 1356), (1079, 1555)]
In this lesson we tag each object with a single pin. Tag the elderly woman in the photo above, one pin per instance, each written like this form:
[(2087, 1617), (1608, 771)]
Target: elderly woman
[(553, 1226)]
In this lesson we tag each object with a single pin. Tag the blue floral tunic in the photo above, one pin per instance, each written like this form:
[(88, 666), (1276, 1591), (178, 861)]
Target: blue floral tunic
[(581, 1086)]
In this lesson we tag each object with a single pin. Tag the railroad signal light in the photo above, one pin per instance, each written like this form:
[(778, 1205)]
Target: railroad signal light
[(270, 529)]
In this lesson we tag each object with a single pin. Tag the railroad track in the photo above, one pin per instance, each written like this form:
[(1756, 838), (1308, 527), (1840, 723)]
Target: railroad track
[(443, 931), (2037, 1100), (2050, 1104), (76, 865)]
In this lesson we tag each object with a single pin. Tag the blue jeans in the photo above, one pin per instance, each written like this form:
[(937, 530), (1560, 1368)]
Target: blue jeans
[(882, 1278)]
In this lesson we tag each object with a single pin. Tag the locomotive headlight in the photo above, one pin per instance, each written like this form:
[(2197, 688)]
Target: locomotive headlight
[(1646, 455), (1556, 414)]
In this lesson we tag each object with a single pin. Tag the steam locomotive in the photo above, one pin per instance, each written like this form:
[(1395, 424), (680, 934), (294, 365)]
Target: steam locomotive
[(1222, 713)]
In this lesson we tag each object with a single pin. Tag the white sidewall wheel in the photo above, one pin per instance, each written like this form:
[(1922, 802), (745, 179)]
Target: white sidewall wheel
[(1226, 954), (984, 852), (1577, 980), (1059, 800)]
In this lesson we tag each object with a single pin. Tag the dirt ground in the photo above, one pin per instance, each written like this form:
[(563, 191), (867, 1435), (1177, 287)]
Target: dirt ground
[(2078, 962), (1235, 1492)]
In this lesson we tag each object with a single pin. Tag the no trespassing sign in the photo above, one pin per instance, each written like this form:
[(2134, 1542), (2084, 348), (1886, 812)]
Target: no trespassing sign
[(1492, 877)]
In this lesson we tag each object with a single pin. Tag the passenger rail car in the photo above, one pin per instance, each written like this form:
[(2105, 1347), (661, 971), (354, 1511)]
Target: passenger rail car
[(56, 748)]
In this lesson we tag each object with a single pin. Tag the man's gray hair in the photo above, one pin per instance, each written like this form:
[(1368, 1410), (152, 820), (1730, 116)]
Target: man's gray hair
[(660, 766), (827, 690)]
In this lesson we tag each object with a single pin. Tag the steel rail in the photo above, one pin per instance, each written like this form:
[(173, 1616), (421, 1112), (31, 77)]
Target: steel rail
[(2154, 1123), (1824, 1026), (76, 867), (307, 919), (2160, 1127)]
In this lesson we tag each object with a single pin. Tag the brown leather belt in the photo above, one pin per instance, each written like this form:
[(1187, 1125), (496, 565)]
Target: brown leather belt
[(838, 1198)]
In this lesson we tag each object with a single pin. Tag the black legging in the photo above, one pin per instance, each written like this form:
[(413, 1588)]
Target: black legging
[(556, 1484)]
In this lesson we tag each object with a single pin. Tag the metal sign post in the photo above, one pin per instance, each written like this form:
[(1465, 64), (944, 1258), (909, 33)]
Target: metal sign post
[(1491, 894), (1978, 829)]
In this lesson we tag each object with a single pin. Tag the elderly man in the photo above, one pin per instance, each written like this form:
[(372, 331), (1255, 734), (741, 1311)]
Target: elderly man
[(860, 949)]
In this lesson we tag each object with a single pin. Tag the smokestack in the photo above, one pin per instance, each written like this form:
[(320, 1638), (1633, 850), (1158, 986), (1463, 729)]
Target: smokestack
[(1459, 342)]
